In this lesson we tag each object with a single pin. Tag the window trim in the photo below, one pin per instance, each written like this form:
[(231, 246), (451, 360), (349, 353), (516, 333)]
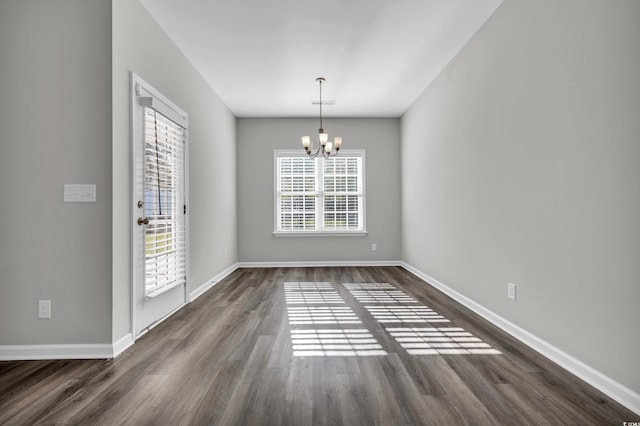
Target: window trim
[(319, 232)]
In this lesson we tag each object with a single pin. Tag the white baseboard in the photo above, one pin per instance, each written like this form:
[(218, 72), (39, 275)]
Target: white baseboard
[(122, 344), (69, 351), (66, 351), (603, 383), (319, 263), (210, 283)]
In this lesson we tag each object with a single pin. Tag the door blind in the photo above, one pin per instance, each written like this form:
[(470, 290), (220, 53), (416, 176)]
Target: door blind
[(165, 234)]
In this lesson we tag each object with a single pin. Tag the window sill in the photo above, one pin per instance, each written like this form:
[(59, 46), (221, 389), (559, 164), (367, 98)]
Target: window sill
[(319, 234)]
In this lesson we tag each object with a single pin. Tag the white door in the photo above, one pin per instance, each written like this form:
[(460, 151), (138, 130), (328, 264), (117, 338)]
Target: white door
[(159, 217)]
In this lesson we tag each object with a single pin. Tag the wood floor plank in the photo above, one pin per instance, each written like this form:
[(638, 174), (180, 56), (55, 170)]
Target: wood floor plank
[(405, 391), (351, 395), (381, 394), (228, 359), (300, 381)]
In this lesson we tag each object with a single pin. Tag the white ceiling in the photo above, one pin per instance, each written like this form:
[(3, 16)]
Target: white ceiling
[(262, 56)]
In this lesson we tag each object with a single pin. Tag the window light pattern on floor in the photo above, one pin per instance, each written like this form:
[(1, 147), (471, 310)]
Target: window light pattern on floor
[(440, 341), (335, 342), (378, 293), (310, 293), (322, 315), (360, 341), (404, 314), (369, 286)]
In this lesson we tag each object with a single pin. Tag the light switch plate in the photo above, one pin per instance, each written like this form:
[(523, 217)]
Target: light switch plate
[(79, 193)]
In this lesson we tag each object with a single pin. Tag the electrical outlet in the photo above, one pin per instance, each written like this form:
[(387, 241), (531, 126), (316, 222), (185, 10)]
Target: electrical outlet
[(44, 308), (226, 254), (511, 291), (374, 247)]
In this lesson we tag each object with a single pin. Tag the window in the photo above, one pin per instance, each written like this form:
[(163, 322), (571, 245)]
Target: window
[(319, 195)]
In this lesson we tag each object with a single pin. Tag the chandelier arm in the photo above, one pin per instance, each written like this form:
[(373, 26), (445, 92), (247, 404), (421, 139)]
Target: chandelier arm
[(315, 154), (329, 154)]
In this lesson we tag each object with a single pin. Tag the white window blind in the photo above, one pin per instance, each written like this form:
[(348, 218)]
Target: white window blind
[(319, 195), (297, 194), (342, 190), (165, 235)]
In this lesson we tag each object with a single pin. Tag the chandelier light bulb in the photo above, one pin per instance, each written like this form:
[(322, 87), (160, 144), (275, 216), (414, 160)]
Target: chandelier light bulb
[(328, 146), (306, 141)]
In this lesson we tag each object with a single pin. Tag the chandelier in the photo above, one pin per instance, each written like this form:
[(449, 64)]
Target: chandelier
[(328, 149)]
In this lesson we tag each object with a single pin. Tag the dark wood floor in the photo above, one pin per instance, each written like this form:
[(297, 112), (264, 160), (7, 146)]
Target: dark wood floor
[(269, 347)]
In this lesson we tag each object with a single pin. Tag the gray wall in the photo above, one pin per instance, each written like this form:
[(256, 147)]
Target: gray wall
[(64, 115), (55, 121), (258, 137), (140, 45), (520, 164)]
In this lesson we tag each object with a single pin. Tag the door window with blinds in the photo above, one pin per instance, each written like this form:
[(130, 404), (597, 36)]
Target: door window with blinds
[(164, 202), (159, 194), (319, 195)]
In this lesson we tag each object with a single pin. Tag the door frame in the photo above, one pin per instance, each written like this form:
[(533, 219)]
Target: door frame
[(139, 87)]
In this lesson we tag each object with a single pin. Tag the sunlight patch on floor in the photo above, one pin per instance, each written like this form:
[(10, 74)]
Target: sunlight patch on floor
[(440, 341), (334, 342), (405, 314), (378, 293), (311, 293), (395, 307), (322, 315)]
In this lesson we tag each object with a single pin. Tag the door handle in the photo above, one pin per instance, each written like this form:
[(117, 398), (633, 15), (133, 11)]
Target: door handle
[(143, 221)]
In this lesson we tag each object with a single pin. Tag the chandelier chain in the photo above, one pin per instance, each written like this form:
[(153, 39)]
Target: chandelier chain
[(320, 81)]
